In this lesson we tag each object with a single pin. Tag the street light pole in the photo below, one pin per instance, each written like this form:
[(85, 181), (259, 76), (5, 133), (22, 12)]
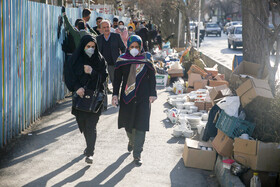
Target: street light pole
[(198, 28)]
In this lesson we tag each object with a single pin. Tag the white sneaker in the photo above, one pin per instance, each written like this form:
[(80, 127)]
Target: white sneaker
[(89, 159)]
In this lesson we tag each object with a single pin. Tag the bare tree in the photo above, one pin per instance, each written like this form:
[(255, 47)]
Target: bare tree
[(258, 39)]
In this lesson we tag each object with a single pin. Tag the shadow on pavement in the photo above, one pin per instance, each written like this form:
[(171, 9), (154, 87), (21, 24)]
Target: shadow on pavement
[(73, 177), (174, 140), (37, 141), (167, 124), (237, 51), (108, 171), (42, 181), (111, 110), (181, 176)]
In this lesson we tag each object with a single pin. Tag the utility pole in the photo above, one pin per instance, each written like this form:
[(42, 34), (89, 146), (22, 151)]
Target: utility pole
[(198, 28)]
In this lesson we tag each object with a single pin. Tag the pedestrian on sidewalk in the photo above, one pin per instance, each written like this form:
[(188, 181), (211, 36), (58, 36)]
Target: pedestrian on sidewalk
[(110, 46), (144, 34), (136, 72), (86, 17), (97, 28), (130, 31), (122, 30), (131, 24), (87, 65)]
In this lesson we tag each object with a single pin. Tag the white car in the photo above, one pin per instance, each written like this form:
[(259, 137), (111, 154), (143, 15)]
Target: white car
[(235, 36)]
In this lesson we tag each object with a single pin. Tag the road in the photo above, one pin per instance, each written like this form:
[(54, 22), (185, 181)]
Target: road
[(217, 49), (50, 154)]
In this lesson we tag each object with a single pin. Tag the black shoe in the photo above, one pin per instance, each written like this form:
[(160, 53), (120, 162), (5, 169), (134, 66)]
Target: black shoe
[(137, 161), (129, 147), (89, 159)]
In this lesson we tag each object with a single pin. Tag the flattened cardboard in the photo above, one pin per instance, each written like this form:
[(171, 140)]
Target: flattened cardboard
[(257, 155), (194, 157), (223, 144), (253, 88)]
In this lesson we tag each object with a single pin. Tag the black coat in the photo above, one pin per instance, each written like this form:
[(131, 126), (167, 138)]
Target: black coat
[(135, 114), (97, 62), (117, 45)]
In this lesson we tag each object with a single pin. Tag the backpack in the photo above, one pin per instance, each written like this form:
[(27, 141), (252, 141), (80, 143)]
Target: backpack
[(68, 75), (68, 45)]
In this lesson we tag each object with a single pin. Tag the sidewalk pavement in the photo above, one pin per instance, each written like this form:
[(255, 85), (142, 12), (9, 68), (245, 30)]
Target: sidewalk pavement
[(51, 154)]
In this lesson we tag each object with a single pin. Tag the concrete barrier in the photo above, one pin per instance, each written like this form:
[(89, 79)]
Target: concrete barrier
[(221, 68)]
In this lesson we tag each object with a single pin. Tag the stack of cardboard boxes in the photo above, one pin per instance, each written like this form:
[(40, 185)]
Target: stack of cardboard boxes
[(257, 155)]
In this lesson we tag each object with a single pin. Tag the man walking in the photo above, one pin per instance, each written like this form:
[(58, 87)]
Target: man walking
[(86, 17), (97, 28), (110, 46)]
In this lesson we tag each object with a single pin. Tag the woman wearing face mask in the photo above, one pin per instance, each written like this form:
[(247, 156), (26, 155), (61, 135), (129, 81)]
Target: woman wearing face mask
[(87, 65), (130, 31), (122, 30), (135, 71)]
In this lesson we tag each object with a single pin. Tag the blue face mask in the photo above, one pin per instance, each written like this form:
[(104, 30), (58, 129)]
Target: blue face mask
[(89, 51)]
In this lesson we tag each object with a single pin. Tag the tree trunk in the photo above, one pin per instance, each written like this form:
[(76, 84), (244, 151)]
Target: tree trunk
[(255, 39)]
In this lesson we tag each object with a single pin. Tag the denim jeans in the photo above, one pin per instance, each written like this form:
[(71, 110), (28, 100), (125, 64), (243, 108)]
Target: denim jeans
[(136, 139)]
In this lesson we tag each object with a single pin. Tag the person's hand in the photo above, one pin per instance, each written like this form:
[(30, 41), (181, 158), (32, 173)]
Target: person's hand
[(87, 69), (63, 9), (115, 101), (152, 99), (81, 92)]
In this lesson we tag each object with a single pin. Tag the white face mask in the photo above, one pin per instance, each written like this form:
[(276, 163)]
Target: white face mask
[(121, 26), (134, 52), (89, 51)]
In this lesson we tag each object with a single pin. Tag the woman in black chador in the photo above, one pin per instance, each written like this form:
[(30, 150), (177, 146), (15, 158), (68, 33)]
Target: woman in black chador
[(86, 65)]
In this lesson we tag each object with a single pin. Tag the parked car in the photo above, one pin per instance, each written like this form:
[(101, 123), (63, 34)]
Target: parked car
[(212, 28), (229, 24), (192, 26), (235, 36)]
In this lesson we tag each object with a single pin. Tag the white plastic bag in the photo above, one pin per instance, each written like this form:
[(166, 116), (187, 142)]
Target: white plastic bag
[(230, 105)]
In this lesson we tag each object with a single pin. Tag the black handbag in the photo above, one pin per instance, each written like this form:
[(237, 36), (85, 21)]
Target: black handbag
[(92, 100)]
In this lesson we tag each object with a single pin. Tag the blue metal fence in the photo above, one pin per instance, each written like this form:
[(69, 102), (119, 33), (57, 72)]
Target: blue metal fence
[(31, 60)]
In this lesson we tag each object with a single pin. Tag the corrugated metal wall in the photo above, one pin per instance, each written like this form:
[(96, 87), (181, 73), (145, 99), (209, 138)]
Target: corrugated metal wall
[(31, 62)]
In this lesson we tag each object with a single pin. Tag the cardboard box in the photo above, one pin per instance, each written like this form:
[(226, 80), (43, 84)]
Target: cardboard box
[(257, 155), (215, 83), (253, 88), (223, 144), (220, 77), (194, 157), (189, 89), (161, 80), (199, 84), (208, 106), (176, 75), (193, 77), (246, 68), (198, 70), (200, 105), (212, 71), (219, 92)]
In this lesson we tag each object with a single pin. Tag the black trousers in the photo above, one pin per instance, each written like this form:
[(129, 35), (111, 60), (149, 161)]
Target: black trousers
[(87, 123)]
